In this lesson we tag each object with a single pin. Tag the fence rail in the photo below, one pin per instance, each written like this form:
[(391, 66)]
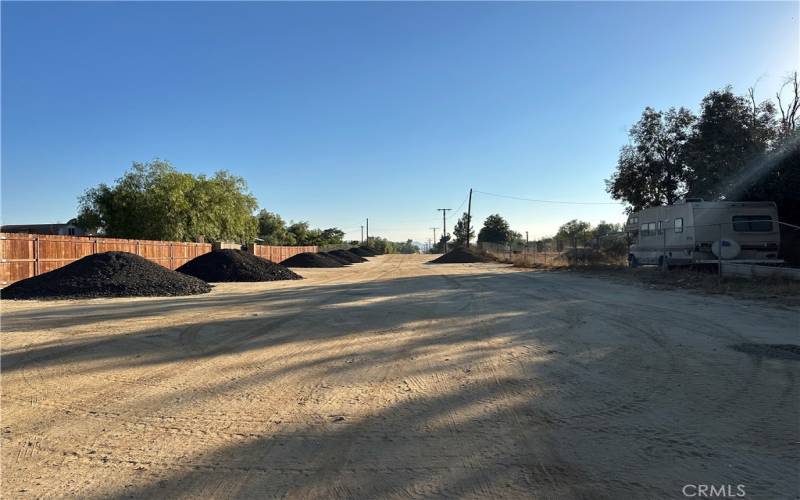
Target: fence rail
[(26, 255)]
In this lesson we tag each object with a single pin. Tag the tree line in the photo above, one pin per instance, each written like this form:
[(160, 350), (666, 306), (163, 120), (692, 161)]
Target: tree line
[(497, 230)]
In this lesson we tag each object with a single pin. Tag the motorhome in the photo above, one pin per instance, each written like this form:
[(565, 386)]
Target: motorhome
[(697, 232)]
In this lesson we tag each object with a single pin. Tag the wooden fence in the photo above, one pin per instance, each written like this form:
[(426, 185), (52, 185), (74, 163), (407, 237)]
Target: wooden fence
[(279, 253), (26, 255)]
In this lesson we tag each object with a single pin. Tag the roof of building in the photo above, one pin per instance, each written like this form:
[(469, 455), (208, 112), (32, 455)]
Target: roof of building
[(34, 228)]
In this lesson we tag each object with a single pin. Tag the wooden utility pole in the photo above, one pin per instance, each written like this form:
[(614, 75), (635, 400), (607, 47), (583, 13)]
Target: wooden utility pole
[(362, 233), (367, 230), (526, 243), (444, 225), (469, 216), (434, 235)]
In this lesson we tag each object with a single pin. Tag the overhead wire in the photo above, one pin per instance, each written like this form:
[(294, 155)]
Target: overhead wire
[(535, 200)]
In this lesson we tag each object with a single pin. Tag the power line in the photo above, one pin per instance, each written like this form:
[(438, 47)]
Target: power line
[(462, 204), (551, 201)]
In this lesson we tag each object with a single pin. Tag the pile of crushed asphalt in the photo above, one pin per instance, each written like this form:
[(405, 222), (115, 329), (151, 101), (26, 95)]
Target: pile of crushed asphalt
[(235, 265), (362, 252), (461, 255), (108, 274), (309, 259), (348, 256), (338, 259)]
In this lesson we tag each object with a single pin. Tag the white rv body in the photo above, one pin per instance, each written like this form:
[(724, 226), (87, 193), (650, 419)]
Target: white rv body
[(692, 232)]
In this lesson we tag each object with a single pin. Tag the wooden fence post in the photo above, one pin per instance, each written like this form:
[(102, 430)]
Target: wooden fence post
[(36, 256)]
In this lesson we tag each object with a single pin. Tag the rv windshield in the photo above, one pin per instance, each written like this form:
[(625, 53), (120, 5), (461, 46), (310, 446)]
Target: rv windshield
[(752, 223)]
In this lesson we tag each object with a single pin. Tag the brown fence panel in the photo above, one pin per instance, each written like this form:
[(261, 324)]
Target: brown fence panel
[(277, 253), (17, 257)]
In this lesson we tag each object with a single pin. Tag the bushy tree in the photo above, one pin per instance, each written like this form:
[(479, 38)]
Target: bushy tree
[(462, 231), (154, 201), (650, 170), (574, 231), (606, 228), (331, 236), (730, 134), (380, 245), (439, 246), (495, 230), (272, 229), (406, 248)]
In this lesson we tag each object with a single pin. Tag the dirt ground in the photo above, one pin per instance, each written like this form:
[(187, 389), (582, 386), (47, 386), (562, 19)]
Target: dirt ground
[(395, 379)]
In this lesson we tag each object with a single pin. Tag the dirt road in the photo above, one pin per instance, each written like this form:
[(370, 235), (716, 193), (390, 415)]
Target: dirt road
[(399, 379)]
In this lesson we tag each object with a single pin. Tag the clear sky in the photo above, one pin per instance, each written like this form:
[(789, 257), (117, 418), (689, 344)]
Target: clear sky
[(335, 112)]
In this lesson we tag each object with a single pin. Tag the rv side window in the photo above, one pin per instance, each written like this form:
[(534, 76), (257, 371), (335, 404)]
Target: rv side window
[(658, 227), (644, 230), (634, 220), (752, 223), (651, 228), (679, 225)]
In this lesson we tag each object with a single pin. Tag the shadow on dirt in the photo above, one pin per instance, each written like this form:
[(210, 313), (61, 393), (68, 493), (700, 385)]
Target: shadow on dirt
[(519, 387)]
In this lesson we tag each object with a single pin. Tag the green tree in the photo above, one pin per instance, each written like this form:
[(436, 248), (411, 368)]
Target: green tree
[(439, 246), (272, 229), (606, 228), (406, 248), (331, 236), (380, 245), (462, 231), (731, 133), (574, 231), (495, 230), (154, 201), (650, 170)]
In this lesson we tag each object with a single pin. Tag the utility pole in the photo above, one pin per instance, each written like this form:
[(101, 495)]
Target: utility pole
[(469, 216), (362, 234), (368, 230), (444, 225), (434, 235), (526, 243)]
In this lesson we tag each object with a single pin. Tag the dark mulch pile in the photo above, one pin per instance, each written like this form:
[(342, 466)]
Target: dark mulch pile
[(461, 255), (340, 260), (348, 255), (308, 259), (361, 252), (777, 351), (236, 265), (108, 274), (372, 253)]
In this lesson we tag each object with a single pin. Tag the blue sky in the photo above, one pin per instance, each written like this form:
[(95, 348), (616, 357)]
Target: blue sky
[(335, 112)]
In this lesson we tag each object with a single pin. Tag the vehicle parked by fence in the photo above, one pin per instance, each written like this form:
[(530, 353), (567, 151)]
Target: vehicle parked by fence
[(698, 232)]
